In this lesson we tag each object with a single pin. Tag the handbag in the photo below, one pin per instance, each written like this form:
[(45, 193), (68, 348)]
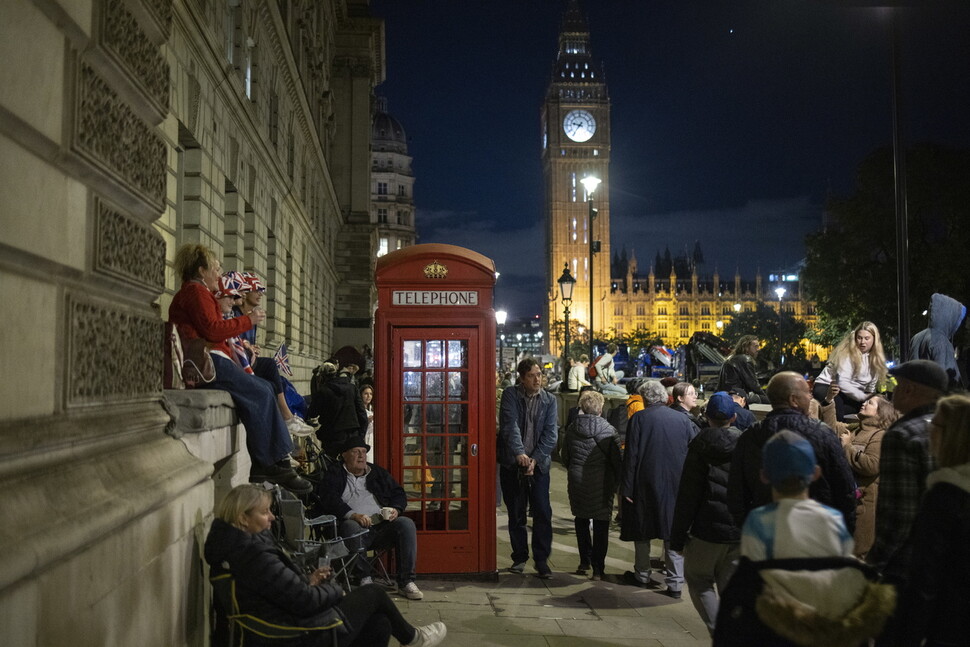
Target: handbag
[(197, 365)]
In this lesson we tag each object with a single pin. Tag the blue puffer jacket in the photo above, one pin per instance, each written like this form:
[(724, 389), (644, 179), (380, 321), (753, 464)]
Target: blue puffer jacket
[(934, 342)]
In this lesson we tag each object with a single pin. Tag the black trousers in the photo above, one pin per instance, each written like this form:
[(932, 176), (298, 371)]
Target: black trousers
[(373, 618), (593, 552)]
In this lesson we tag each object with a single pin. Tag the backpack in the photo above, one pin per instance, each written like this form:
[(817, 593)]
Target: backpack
[(592, 367)]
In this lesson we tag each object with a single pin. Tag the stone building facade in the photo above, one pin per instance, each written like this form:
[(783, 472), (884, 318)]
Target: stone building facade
[(128, 127)]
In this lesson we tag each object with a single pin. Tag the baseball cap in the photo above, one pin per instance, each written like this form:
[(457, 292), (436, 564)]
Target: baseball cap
[(922, 371), (720, 406), (786, 454)]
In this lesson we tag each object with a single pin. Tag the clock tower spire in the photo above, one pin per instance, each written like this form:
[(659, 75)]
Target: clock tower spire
[(575, 145)]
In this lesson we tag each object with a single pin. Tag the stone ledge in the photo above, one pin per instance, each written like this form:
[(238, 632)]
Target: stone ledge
[(197, 411)]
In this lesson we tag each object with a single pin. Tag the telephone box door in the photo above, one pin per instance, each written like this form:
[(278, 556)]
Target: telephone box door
[(433, 379)]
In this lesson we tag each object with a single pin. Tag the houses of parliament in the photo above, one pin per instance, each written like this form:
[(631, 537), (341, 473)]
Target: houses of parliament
[(674, 297)]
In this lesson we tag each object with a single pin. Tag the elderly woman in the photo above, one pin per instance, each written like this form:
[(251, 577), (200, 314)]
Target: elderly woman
[(862, 442), (856, 366), (933, 605), (196, 314), (271, 588), (591, 454)]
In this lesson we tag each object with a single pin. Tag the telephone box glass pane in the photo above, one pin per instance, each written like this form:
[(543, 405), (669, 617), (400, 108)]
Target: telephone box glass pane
[(458, 515), (433, 421), (458, 354), (412, 418), (457, 450), (457, 385), (412, 354), (434, 450), (412, 385), (457, 417), (435, 354), (434, 382), (458, 483)]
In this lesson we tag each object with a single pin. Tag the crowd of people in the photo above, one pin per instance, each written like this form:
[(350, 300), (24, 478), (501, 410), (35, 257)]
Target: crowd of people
[(841, 516)]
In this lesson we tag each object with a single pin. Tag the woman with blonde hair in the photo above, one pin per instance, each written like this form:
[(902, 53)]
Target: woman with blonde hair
[(933, 606), (856, 366), (862, 442), (591, 455), (271, 588), (196, 313)]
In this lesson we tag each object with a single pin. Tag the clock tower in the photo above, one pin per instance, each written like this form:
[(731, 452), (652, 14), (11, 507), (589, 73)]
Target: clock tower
[(575, 145)]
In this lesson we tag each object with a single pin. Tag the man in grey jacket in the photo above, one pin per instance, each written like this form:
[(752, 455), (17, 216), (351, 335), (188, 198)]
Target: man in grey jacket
[(526, 438)]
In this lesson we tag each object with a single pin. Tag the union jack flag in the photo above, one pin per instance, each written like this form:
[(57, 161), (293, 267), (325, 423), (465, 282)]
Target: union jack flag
[(282, 360), (252, 283)]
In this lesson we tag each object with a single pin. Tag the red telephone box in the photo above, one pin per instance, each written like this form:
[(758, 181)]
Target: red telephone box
[(434, 350)]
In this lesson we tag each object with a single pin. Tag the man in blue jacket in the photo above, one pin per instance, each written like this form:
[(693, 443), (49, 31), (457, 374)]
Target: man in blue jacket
[(526, 438), (935, 342)]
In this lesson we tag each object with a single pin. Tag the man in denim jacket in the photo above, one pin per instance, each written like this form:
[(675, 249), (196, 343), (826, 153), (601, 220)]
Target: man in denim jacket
[(526, 438)]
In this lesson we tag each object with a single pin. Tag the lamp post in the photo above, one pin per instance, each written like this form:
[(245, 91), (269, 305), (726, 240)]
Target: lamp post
[(566, 285), (591, 182), (780, 291), (500, 317)]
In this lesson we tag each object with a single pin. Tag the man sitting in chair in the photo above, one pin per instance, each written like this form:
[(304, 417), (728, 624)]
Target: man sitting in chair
[(366, 496)]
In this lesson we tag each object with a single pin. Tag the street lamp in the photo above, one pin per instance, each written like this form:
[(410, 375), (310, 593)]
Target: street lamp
[(591, 182), (500, 317), (566, 285), (780, 291)]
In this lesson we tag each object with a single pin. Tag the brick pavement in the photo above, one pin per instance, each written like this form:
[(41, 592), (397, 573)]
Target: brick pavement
[(565, 611)]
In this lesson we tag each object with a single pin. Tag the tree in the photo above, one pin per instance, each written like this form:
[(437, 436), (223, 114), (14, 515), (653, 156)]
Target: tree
[(780, 335), (850, 268)]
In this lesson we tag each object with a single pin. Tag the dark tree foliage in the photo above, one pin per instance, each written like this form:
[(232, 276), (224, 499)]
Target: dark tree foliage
[(850, 268), (779, 335)]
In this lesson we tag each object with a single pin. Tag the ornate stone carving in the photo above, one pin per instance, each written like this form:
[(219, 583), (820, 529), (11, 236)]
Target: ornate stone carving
[(131, 48), (161, 11), (128, 250), (110, 135), (112, 354)]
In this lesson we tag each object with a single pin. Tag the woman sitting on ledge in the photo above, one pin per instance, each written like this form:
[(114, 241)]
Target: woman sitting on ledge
[(270, 588), (196, 314)]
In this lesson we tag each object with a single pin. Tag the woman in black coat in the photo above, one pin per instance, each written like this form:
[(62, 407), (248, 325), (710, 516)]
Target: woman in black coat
[(270, 587), (591, 455)]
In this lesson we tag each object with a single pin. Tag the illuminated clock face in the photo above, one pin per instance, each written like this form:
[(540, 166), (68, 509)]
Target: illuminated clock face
[(579, 125)]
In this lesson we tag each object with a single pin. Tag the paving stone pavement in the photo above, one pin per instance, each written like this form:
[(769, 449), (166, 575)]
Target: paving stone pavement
[(565, 611)]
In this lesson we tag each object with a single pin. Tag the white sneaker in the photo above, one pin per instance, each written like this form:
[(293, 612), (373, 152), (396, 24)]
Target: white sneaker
[(412, 592), (364, 581), (297, 427), (429, 635)]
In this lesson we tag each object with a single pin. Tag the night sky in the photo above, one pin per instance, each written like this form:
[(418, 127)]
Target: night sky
[(732, 120)]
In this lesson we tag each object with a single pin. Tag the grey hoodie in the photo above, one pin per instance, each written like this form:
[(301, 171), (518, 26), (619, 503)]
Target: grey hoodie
[(935, 342)]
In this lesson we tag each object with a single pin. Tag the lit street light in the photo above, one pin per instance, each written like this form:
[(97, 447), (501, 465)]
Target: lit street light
[(591, 182), (566, 285), (500, 317), (780, 291)]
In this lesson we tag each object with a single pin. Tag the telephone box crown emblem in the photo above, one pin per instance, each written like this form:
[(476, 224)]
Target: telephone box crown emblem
[(435, 270)]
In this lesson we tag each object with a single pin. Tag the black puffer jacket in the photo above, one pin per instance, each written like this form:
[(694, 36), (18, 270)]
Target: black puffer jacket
[(268, 584), (591, 454), (702, 509), (835, 488)]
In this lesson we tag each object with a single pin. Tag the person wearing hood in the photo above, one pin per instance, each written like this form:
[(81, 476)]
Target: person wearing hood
[(935, 342), (591, 455), (933, 606), (704, 528), (268, 587)]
